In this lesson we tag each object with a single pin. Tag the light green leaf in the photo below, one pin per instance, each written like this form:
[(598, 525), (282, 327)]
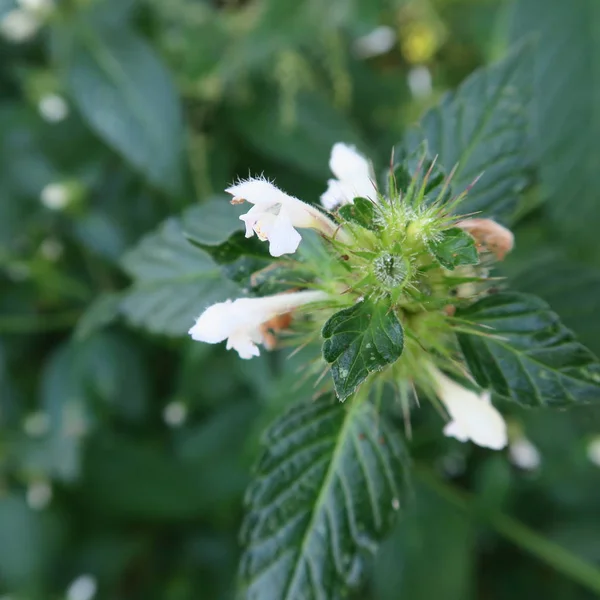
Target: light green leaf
[(326, 491), (360, 340), (174, 281), (565, 110), (456, 247), (482, 128), (127, 96), (361, 212), (526, 354)]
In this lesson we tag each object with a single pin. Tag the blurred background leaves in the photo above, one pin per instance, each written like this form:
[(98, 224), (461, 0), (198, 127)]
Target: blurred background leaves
[(125, 452)]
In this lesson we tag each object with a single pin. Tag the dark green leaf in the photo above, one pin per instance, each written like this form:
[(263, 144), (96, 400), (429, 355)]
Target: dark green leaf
[(103, 311), (361, 212), (455, 247), (326, 492), (482, 128), (127, 96), (565, 110), (360, 340), (173, 282), (526, 354)]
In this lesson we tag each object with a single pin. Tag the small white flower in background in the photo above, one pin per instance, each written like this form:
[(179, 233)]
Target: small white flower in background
[(40, 8), (19, 25), (473, 417), (51, 249), (275, 215), (39, 494), (420, 82), (241, 321), (55, 196), (82, 588), (37, 424), (53, 108), (379, 41), (354, 177), (593, 451), (524, 454), (175, 413)]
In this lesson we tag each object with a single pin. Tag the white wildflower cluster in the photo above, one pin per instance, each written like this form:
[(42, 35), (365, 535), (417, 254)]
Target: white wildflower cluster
[(22, 23), (278, 218)]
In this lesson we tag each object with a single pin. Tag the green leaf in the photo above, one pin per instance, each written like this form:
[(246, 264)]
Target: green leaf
[(173, 282), (103, 311), (565, 110), (327, 489), (306, 142), (127, 96), (482, 128), (214, 222), (454, 248), (526, 354), (360, 340), (361, 212)]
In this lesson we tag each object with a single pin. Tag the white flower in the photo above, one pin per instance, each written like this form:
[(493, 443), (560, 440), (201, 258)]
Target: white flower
[(37, 5), (53, 108), (524, 454), (19, 25), (175, 413), (240, 322), (593, 451), (419, 82), (275, 215), (354, 178), (55, 196), (473, 417), (82, 588), (39, 495), (379, 41)]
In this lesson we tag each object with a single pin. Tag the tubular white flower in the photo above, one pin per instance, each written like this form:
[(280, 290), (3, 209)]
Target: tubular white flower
[(240, 321), (473, 417), (275, 215), (354, 177)]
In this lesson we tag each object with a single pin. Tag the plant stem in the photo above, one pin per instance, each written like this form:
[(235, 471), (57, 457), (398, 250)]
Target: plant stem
[(565, 562)]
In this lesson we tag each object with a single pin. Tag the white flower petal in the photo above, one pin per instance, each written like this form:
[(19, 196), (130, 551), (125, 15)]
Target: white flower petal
[(473, 417), (239, 321), (524, 454), (277, 213), (354, 178), (283, 238), (348, 164)]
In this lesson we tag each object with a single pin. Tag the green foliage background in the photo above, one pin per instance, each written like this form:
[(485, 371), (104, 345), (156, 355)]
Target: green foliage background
[(170, 101)]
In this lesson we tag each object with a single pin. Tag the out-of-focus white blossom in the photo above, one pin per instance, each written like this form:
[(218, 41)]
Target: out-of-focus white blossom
[(275, 215), (55, 196), (175, 413), (376, 42), (37, 424), (37, 6), (241, 321), (593, 451), (51, 249), (53, 108), (524, 454), (82, 588), (39, 494), (19, 25), (420, 82), (354, 177), (473, 417)]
